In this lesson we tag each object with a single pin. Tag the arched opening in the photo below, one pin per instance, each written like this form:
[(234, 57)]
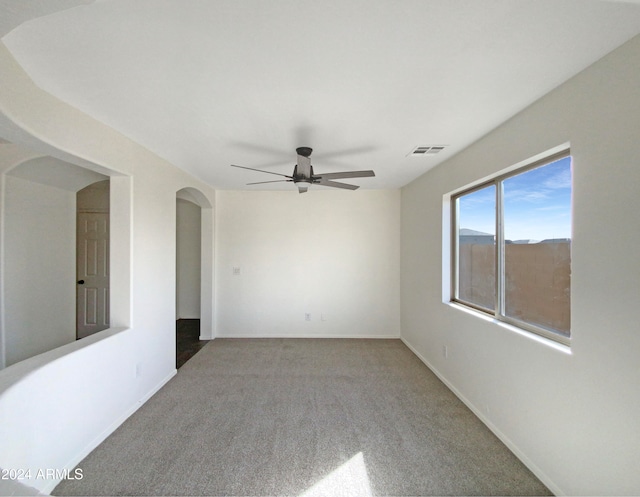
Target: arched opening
[(39, 255), (194, 262)]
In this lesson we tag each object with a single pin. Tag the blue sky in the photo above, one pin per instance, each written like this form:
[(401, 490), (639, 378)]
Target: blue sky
[(537, 204)]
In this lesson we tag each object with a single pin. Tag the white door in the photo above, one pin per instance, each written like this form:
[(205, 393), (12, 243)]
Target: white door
[(92, 273)]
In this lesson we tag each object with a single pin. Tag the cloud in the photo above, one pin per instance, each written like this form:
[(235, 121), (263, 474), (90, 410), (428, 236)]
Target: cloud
[(526, 195), (555, 207), (561, 179)]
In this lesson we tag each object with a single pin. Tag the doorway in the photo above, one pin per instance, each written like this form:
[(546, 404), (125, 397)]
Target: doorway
[(188, 277), (92, 259)]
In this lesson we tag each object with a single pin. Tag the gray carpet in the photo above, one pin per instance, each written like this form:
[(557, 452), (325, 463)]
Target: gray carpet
[(303, 417)]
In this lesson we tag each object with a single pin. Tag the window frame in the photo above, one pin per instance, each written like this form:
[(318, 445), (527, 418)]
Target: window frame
[(499, 312)]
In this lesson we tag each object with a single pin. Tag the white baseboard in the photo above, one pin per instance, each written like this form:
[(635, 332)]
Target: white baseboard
[(381, 337), (85, 451), (478, 412)]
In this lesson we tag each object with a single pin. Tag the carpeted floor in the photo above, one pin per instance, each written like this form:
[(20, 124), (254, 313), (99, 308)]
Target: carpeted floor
[(303, 417)]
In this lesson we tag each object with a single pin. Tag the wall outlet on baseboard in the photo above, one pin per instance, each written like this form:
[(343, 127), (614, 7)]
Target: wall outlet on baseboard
[(307, 316), (445, 352), (138, 370)]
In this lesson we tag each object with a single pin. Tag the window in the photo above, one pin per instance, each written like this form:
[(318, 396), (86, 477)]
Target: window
[(512, 247)]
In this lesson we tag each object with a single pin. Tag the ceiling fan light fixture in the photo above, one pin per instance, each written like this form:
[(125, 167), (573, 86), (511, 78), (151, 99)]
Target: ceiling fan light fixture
[(303, 184)]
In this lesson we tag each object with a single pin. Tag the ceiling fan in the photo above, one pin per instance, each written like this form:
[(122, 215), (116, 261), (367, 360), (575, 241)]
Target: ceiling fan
[(303, 175)]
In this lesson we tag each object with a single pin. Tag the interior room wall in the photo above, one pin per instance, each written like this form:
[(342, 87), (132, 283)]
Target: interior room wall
[(334, 255), (188, 252), (59, 405), (39, 267), (570, 414)]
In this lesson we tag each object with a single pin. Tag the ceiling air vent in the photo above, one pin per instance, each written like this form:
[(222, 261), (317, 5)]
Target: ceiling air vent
[(429, 150)]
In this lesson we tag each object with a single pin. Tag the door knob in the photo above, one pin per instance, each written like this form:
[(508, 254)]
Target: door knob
[(80, 282)]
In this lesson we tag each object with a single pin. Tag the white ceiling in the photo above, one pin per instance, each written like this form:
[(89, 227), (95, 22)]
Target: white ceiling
[(208, 83)]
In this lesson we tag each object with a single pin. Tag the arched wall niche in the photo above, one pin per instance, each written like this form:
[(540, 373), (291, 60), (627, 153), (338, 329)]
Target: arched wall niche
[(37, 246)]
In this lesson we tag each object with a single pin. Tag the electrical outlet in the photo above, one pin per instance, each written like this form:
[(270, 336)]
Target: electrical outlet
[(236, 270), (323, 317), (138, 370), (307, 316), (445, 352)]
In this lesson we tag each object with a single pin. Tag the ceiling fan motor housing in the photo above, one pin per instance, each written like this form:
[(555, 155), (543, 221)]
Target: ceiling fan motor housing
[(301, 178)]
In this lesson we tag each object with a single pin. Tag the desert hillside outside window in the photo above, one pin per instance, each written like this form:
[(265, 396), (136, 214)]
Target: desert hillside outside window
[(512, 247)]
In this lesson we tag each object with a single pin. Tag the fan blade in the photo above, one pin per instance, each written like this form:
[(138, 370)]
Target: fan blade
[(335, 184), (304, 167), (274, 181), (261, 171), (346, 174)]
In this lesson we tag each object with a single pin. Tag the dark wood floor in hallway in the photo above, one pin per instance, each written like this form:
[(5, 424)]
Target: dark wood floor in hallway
[(188, 341)]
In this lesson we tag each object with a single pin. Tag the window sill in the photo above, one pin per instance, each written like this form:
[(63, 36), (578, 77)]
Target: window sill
[(560, 347)]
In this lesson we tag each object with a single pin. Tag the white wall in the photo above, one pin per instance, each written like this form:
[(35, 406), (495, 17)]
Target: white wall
[(572, 416), (188, 220), (332, 254), (39, 268), (57, 406)]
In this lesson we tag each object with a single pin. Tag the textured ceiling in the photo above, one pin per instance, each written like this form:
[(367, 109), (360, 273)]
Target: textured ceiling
[(206, 84)]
